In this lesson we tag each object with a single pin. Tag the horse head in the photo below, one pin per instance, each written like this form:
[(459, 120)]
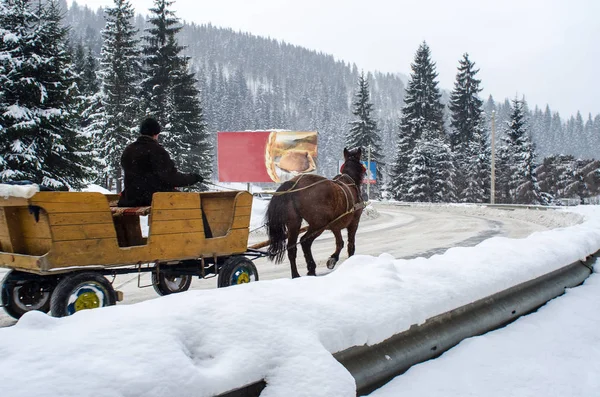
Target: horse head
[(352, 165)]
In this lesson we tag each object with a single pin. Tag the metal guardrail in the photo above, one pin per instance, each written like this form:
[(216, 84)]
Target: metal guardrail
[(373, 366)]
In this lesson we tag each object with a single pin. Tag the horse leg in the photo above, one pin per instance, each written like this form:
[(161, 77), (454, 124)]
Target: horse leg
[(352, 228), (293, 226), (306, 242), (339, 244)]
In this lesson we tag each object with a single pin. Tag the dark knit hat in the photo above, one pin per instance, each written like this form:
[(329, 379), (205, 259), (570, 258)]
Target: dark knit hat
[(149, 127)]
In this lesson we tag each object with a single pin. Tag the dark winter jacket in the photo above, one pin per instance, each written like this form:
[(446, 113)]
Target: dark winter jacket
[(149, 169)]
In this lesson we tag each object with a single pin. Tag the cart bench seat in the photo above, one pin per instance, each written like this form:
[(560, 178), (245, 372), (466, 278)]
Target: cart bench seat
[(125, 211)]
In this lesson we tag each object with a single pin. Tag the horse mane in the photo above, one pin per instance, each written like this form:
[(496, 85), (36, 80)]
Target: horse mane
[(353, 167)]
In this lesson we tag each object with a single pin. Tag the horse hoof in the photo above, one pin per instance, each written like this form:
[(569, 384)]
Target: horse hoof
[(295, 275), (311, 274), (331, 263)]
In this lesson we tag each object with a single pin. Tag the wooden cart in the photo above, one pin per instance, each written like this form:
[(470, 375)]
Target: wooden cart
[(60, 246)]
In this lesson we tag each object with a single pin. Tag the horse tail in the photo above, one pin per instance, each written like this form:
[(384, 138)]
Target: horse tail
[(276, 223)]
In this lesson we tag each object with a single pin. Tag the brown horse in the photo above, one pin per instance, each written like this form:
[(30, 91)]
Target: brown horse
[(324, 204)]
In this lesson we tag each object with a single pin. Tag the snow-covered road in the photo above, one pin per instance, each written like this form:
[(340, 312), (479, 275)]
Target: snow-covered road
[(206, 342), (402, 231)]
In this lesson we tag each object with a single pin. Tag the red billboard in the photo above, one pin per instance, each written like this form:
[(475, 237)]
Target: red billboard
[(265, 156)]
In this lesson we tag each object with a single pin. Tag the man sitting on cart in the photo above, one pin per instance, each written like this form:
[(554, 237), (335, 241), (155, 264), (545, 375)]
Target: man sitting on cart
[(149, 169)]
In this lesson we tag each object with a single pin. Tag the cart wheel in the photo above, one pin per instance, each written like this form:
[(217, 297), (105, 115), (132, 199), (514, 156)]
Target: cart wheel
[(165, 284), (81, 291), (23, 292), (237, 270)]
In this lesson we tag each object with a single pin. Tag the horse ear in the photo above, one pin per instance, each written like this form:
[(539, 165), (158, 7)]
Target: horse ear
[(359, 152), (345, 153)]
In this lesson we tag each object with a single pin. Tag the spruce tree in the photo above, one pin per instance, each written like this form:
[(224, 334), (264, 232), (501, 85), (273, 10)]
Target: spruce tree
[(467, 134), (523, 187), (363, 132), (39, 136), (170, 92), (161, 61), (187, 121), (120, 69), (422, 117)]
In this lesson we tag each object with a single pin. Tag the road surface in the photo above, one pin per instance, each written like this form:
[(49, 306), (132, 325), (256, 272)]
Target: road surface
[(402, 231)]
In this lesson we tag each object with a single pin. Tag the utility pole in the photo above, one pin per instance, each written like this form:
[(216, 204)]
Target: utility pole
[(368, 171), (493, 184)]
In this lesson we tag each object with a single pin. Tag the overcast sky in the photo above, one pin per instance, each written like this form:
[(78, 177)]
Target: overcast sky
[(547, 50)]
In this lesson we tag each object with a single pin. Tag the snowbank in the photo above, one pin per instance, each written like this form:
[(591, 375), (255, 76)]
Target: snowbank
[(24, 191), (552, 352), (202, 343)]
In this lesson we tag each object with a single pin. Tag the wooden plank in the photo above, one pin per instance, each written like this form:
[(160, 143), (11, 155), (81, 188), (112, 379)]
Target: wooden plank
[(175, 201), (176, 214), (13, 202), (14, 241), (243, 199), (70, 207), (80, 218), (69, 197), (235, 242), (36, 246), (242, 211), (223, 204), (220, 228), (83, 232), (89, 252), (167, 247), (29, 227), (176, 226), (16, 261), (240, 222), (3, 223)]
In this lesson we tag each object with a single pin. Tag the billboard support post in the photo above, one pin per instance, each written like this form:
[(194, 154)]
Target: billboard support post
[(369, 170)]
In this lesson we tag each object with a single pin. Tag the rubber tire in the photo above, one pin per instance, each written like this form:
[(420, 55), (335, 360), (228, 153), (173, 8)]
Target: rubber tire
[(231, 266), (70, 283), (162, 287), (11, 280)]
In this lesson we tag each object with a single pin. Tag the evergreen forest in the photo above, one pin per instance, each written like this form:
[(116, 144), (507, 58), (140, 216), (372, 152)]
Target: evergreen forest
[(75, 84)]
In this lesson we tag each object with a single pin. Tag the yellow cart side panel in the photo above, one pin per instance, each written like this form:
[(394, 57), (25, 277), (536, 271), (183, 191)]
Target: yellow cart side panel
[(175, 214), (13, 202), (21, 262), (82, 232), (177, 226), (80, 218), (177, 200)]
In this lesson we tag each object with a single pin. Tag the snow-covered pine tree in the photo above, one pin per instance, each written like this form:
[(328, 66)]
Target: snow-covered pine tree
[(363, 132), (166, 71), (585, 179), (422, 116), (431, 170), (161, 61), (468, 135), (120, 71), (522, 183), (187, 121), (39, 136), (465, 105)]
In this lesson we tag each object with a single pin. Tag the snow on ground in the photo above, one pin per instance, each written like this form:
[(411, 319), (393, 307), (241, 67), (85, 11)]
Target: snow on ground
[(97, 189), (206, 342), (552, 352), (550, 218)]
